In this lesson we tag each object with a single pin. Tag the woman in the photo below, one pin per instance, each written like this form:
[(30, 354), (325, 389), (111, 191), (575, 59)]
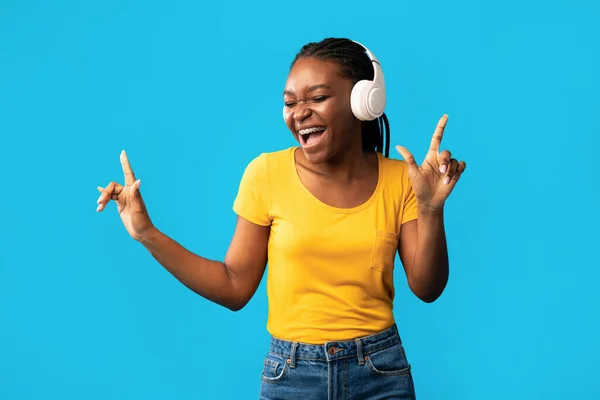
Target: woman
[(329, 215)]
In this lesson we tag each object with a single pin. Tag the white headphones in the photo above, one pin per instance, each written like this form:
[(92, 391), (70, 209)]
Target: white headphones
[(368, 97)]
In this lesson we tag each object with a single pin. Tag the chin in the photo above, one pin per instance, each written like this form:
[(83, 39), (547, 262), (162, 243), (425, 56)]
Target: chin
[(319, 156), (316, 158)]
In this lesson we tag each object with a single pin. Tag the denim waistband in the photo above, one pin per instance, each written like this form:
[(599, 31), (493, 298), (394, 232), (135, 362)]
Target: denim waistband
[(336, 349)]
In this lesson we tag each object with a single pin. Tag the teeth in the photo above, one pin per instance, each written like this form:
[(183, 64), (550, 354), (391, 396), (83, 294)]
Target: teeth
[(310, 130)]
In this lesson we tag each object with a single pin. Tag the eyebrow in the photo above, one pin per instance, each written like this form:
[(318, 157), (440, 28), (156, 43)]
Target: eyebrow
[(310, 89)]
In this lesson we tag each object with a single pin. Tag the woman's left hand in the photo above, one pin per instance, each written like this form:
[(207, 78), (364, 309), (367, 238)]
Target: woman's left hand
[(436, 177)]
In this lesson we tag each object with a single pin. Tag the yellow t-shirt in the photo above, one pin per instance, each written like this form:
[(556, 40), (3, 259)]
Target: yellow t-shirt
[(330, 270)]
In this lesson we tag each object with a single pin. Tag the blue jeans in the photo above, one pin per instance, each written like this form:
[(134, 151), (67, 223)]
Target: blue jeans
[(368, 368)]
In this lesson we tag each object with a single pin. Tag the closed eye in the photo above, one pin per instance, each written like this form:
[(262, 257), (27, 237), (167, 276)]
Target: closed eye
[(316, 99)]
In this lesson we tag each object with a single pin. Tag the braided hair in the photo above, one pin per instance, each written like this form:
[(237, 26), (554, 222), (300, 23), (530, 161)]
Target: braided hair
[(354, 65)]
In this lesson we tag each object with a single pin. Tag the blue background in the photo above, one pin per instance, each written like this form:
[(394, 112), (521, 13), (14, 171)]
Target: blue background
[(193, 93)]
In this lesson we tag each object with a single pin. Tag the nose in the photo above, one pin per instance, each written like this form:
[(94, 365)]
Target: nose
[(301, 112)]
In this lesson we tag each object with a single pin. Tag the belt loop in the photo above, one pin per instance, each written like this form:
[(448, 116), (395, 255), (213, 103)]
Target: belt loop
[(359, 352), (292, 359)]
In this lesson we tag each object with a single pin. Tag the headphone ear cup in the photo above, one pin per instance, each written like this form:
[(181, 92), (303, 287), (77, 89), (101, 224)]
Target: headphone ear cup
[(359, 98), (375, 102)]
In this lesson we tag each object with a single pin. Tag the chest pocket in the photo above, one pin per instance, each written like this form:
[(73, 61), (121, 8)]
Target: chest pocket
[(384, 250)]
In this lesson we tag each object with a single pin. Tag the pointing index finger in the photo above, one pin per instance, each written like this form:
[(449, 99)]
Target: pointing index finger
[(129, 176), (438, 134)]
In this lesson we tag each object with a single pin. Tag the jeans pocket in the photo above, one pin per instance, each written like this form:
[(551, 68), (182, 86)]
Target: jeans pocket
[(274, 368), (385, 246), (390, 361)]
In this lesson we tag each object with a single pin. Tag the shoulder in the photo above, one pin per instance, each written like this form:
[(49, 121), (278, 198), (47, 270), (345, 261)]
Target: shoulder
[(264, 166), (279, 156), (393, 168), (273, 160)]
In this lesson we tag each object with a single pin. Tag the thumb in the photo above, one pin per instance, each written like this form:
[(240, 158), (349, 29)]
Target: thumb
[(135, 189), (409, 159)]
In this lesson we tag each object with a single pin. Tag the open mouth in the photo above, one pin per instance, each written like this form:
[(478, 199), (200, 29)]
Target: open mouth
[(310, 136)]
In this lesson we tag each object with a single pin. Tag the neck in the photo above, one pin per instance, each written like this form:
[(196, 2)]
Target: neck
[(348, 165)]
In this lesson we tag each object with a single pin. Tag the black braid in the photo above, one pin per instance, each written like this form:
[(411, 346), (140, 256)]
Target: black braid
[(354, 65)]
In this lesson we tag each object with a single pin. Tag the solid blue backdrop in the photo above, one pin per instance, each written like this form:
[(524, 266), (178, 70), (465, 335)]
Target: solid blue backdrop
[(193, 93)]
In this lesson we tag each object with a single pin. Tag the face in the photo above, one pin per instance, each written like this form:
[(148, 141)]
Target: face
[(317, 110)]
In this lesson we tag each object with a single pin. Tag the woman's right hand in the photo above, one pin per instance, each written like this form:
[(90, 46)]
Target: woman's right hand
[(129, 202)]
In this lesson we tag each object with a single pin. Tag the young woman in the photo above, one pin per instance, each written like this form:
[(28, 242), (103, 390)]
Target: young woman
[(329, 215)]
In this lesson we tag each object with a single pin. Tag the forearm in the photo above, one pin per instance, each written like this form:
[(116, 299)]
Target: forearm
[(209, 279), (430, 267)]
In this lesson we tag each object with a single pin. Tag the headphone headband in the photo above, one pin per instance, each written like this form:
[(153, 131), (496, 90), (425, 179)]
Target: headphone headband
[(371, 55)]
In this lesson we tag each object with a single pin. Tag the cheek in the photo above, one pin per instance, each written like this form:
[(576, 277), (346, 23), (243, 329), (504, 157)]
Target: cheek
[(341, 122), (288, 120)]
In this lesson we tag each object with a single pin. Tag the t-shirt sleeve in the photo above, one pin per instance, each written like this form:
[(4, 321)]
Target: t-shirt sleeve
[(409, 210), (252, 200)]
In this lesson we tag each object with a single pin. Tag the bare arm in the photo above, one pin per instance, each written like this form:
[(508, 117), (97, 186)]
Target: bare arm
[(424, 254), (422, 245), (231, 283)]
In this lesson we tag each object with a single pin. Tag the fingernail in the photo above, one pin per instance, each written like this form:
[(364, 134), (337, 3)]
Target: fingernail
[(443, 168), (446, 180)]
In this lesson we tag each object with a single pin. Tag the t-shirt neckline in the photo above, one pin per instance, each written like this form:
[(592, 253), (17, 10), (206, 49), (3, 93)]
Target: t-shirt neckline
[(314, 199)]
